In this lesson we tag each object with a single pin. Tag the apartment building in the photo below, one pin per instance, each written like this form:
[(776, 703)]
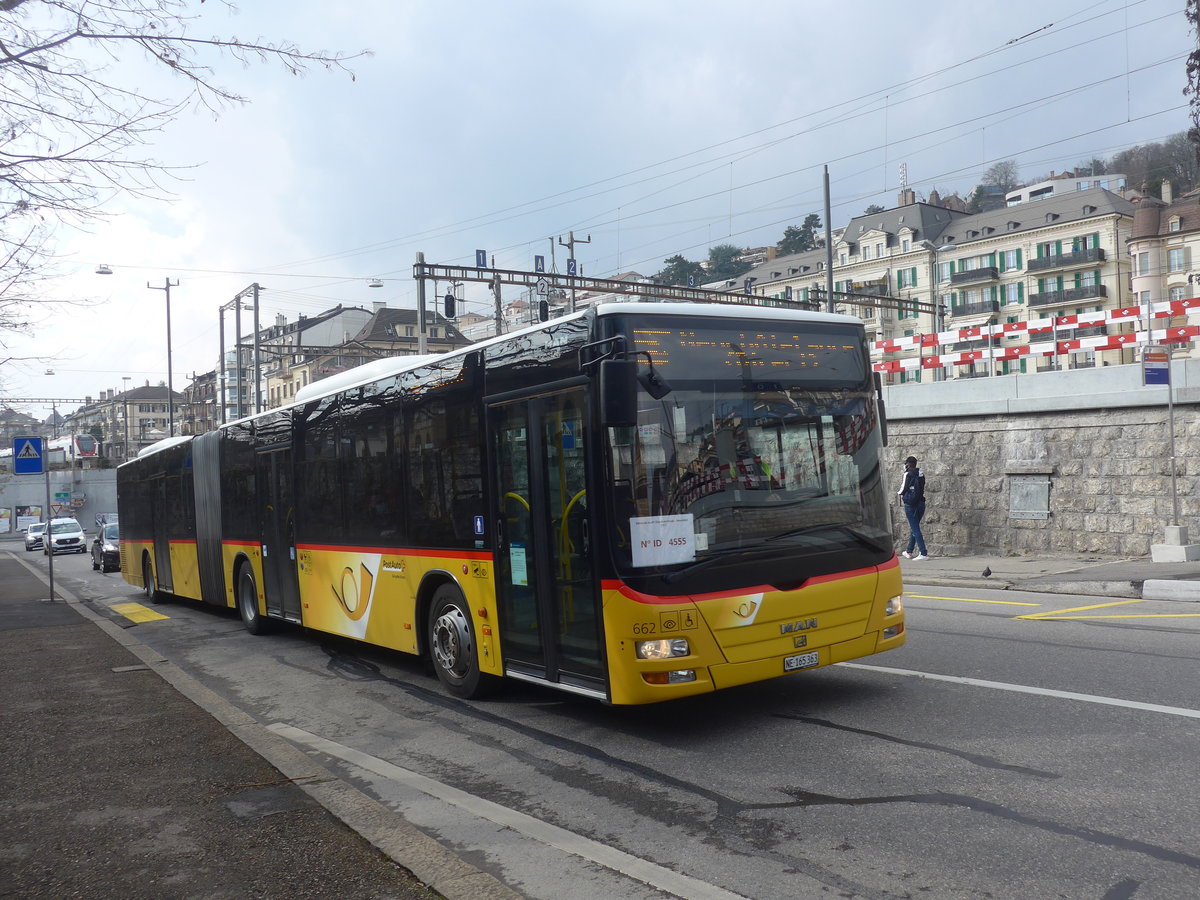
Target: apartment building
[(128, 421), (1164, 248), (1011, 267)]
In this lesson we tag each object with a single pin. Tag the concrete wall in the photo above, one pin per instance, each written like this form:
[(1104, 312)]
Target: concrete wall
[(97, 488), (1100, 438)]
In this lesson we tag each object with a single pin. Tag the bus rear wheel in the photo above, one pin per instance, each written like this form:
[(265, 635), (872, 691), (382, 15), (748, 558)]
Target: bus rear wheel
[(247, 602), (452, 645), (149, 591)]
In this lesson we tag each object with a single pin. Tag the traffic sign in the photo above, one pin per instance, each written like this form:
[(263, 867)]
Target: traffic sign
[(28, 458), (539, 264), (1156, 367), (542, 287), (572, 268)]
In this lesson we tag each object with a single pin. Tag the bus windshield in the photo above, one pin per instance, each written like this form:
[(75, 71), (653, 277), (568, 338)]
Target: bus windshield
[(742, 466)]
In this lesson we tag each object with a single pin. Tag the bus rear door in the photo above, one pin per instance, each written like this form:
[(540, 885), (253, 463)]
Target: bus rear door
[(545, 579)]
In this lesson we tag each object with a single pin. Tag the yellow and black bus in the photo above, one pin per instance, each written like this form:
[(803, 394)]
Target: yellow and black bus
[(636, 502)]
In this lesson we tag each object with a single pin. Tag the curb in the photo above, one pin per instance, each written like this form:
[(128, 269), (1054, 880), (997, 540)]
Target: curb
[(386, 830), (1168, 589)]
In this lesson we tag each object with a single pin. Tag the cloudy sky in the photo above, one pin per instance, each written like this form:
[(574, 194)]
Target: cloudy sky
[(655, 128)]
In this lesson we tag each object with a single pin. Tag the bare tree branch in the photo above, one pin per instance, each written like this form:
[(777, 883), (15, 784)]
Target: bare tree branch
[(74, 120)]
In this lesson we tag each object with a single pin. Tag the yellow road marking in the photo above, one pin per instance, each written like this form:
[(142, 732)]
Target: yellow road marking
[(135, 612), (1057, 613), (969, 600)]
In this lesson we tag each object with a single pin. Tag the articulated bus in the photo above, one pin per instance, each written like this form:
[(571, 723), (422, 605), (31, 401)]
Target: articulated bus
[(634, 503)]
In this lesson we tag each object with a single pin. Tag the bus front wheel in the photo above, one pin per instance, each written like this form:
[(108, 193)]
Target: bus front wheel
[(247, 602), (452, 645)]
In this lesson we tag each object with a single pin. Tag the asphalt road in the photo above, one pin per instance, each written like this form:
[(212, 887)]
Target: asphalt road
[(1020, 745)]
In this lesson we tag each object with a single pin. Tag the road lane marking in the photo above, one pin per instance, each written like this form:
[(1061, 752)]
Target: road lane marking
[(971, 600), (135, 612), (1133, 616), (1058, 612), (560, 838), (1026, 689)]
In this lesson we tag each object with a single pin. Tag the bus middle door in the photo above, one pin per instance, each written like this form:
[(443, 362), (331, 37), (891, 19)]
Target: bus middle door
[(279, 534), (545, 578), (161, 529)]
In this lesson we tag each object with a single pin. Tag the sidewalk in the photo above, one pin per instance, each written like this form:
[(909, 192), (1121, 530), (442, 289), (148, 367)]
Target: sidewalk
[(124, 777), (1087, 575)]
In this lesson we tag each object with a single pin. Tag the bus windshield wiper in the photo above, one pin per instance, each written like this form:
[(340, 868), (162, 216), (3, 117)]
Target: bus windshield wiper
[(717, 556), (814, 529)]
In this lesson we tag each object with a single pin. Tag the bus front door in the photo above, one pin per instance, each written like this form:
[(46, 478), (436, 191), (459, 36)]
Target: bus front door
[(549, 602), (279, 534)]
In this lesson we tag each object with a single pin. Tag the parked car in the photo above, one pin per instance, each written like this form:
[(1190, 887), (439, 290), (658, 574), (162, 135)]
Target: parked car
[(64, 536), (106, 549), (33, 536)]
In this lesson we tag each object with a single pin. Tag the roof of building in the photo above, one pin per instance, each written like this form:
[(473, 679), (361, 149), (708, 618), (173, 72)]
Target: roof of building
[(926, 221), (1075, 206), (387, 325)]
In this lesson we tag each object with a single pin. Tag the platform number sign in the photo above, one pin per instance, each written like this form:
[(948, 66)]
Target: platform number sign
[(28, 456)]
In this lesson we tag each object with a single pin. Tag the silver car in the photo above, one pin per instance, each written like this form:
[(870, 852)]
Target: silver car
[(33, 536)]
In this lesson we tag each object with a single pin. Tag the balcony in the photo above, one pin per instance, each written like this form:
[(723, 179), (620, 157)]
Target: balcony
[(983, 273), (1074, 295), (977, 344), (979, 308), (1067, 260)]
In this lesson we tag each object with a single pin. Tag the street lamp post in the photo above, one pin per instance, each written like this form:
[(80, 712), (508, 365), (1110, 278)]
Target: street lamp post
[(166, 288), (104, 269), (125, 413)]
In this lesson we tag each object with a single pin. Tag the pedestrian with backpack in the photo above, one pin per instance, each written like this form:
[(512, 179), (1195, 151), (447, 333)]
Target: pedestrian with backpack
[(912, 495)]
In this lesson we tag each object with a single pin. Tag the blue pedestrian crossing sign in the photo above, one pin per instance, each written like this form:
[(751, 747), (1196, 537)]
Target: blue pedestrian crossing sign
[(28, 458)]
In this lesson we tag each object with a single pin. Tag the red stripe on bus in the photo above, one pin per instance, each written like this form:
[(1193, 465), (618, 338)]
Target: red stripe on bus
[(625, 590), (399, 551), (239, 543)]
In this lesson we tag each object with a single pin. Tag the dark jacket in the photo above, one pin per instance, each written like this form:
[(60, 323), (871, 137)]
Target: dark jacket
[(912, 488)]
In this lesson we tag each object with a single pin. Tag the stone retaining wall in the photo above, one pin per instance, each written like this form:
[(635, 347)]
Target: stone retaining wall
[(1108, 471)]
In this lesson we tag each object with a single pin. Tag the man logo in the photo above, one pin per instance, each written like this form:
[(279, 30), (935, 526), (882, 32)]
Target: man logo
[(800, 625)]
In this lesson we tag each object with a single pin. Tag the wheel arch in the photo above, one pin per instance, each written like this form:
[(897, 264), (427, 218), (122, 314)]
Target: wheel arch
[(430, 583)]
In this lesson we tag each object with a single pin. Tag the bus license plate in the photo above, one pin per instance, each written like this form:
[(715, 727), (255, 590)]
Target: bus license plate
[(800, 661)]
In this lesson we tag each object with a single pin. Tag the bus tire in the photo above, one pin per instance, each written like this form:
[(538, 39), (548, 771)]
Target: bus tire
[(149, 591), (452, 646), (247, 602)]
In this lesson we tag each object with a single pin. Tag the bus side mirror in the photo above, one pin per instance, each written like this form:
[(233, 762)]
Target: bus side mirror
[(618, 393), (881, 411)]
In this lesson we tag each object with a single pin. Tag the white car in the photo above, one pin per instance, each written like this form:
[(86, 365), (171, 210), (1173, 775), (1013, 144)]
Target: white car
[(64, 536)]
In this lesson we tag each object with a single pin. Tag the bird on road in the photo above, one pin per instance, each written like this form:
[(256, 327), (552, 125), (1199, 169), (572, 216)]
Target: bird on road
[(987, 571)]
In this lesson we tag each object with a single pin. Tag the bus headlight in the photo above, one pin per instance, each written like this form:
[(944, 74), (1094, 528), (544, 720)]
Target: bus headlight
[(894, 607), (664, 649)]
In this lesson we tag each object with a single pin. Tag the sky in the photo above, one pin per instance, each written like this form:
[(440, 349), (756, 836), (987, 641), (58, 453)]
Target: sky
[(652, 128)]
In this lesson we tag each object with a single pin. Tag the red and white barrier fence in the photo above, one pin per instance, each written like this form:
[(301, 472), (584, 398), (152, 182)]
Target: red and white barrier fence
[(1102, 318)]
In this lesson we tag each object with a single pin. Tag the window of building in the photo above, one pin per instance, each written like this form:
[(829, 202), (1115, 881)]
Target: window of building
[(1175, 259), (1089, 279), (905, 245), (1012, 259), (1142, 265), (1011, 293), (841, 259), (866, 251), (1177, 293), (906, 278), (1173, 224), (944, 270), (409, 330), (879, 251), (433, 332)]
